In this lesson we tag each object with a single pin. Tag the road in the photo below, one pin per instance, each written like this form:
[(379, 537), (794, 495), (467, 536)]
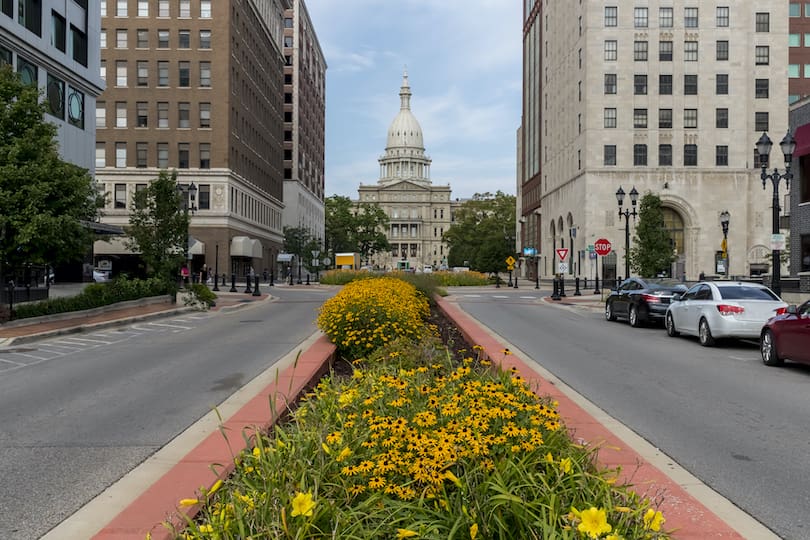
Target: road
[(79, 411), (741, 427)]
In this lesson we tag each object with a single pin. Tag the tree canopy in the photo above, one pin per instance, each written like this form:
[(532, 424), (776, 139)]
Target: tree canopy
[(651, 252), (44, 200), (483, 233), (353, 227), (300, 242)]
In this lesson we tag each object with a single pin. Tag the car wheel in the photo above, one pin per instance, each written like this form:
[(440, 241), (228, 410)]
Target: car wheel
[(767, 347), (670, 324), (635, 320), (609, 314), (705, 333)]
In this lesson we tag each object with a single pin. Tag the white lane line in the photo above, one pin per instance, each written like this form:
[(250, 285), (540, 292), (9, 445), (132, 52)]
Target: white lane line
[(471, 295), (71, 346), (499, 296), (94, 341), (744, 359), (172, 326), (529, 297), (11, 362), (26, 355)]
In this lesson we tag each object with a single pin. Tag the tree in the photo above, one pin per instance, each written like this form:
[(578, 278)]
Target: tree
[(44, 200), (367, 234), (483, 234), (652, 250), (158, 227), (338, 222), (356, 228)]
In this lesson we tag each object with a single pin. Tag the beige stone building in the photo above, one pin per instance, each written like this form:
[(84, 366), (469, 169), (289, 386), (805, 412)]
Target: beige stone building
[(419, 211), (667, 97)]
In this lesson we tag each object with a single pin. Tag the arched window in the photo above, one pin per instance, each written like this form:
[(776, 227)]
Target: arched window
[(673, 224)]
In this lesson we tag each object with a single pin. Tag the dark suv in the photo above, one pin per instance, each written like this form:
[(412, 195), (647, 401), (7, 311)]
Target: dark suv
[(641, 301)]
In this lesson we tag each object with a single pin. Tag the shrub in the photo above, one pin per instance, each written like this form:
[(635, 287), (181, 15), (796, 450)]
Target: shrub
[(342, 277), (461, 279), (200, 296)]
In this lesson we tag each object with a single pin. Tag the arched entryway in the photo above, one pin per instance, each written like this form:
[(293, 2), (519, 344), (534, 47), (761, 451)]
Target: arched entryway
[(673, 224)]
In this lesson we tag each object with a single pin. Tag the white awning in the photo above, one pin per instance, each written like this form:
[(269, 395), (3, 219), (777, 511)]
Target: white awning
[(114, 247), (257, 248), (241, 246), (285, 257), (195, 247)]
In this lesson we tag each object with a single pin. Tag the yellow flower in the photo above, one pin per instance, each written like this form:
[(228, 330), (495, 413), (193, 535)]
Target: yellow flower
[(189, 502), (613, 537), (473, 531), (405, 533), (594, 522), (565, 465), (302, 504), (345, 453), (206, 529), (653, 520), (215, 487), (549, 458), (453, 478)]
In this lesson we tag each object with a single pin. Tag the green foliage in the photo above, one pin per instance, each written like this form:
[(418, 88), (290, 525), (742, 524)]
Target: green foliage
[(339, 223), (300, 242), (200, 296), (461, 279), (43, 199), (342, 277), (368, 233), (651, 251), (96, 295), (357, 228), (483, 234), (158, 227)]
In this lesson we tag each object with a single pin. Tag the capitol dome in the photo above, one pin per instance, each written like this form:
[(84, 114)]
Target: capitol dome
[(404, 157), (405, 131)]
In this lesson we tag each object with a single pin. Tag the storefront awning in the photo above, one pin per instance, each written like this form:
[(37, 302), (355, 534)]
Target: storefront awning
[(241, 246), (285, 257), (115, 246), (256, 248), (802, 137), (195, 247)]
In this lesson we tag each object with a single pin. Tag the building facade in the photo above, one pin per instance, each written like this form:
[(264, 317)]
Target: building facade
[(799, 52), (196, 87), (669, 98), (419, 212)]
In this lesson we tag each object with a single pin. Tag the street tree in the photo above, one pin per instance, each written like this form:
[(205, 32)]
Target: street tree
[(45, 201), (652, 250), (158, 226), (483, 233), (354, 227), (339, 223), (368, 234)]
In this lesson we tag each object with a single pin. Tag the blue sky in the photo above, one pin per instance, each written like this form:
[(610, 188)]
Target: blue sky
[(464, 66)]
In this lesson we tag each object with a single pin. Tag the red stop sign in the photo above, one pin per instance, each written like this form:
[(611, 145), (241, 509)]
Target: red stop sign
[(602, 247)]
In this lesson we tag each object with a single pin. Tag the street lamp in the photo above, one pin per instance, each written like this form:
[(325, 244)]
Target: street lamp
[(725, 217), (627, 213), (189, 205), (764, 145)]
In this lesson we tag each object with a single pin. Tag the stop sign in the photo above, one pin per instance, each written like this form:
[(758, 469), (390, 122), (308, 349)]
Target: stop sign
[(602, 247)]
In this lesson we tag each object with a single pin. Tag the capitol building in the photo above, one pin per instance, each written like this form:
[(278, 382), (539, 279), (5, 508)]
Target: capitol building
[(419, 212)]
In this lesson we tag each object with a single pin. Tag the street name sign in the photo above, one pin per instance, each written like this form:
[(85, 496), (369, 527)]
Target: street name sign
[(562, 253)]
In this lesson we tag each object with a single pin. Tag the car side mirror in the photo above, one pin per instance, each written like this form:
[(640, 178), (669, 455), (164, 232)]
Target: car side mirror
[(676, 297), (792, 309)]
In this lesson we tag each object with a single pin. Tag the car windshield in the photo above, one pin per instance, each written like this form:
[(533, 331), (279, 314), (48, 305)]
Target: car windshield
[(743, 292)]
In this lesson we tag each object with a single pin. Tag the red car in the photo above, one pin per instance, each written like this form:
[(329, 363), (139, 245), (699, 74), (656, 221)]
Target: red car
[(787, 337)]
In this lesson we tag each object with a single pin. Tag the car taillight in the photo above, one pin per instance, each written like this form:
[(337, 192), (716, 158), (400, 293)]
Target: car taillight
[(726, 309), (651, 299), (781, 310)]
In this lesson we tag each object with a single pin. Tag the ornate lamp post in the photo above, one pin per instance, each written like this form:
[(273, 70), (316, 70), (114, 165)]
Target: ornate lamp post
[(725, 217), (788, 145), (626, 213)]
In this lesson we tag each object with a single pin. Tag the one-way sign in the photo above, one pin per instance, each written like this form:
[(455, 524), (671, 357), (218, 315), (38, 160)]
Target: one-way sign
[(562, 253)]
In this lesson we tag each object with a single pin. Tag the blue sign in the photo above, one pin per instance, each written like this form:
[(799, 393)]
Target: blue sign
[(529, 252)]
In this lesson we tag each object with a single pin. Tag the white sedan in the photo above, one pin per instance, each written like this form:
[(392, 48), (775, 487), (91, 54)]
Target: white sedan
[(712, 310)]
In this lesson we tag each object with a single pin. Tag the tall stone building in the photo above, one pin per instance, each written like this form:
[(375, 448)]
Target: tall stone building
[(196, 86), (419, 211), (667, 97)]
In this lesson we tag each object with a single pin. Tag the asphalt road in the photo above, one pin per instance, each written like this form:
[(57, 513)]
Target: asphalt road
[(82, 410), (741, 427)]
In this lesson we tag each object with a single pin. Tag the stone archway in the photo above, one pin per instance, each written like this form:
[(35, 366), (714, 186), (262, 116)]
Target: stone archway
[(759, 260), (680, 219), (673, 224)]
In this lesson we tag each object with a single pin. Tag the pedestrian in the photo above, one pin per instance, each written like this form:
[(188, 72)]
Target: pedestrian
[(264, 275), (702, 276), (184, 273), (204, 273)]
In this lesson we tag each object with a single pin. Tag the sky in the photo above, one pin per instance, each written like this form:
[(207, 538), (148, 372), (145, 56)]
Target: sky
[(464, 68)]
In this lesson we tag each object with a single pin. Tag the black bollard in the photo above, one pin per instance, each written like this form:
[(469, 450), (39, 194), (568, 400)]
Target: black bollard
[(576, 291), (248, 290), (562, 285), (291, 279), (271, 278), (510, 279), (516, 279), (596, 287), (555, 294), (216, 283), (307, 279), (585, 286), (233, 283), (497, 281), (256, 291)]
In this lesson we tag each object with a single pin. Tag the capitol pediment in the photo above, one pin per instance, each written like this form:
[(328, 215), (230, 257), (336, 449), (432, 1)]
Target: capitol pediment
[(405, 185)]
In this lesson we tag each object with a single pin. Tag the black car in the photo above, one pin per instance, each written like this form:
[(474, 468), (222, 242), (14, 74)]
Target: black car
[(641, 301)]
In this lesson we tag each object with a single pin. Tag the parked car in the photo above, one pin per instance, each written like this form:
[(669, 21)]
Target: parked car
[(99, 276), (787, 336), (718, 309), (641, 301)]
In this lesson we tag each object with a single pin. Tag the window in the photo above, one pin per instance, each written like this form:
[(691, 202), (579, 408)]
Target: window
[(640, 85), (205, 9), (690, 118), (722, 16), (762, 88), (163, 114), (183, 73), (665, 85), (141, 154), (163, 8), (610, 118), (120, 114), (163, 39), (163, 73), (763, 54), (610, 154), (640, 49), (101, 114), (288, 41), (610, 83), (29, 15), (205, 155), (664, 155), (78, 45), (611, 16), (142, 114), (120, 155), (205, 74), (7, 7), (795, 10), (59, 31), (794, 40), (182, 155), (143, 73), (665, 17), (204, 195), (120, 200), (639, 118), (763, 22), (611, 50), (721, 155), (205, 39), (690, 17), (121, 8), (690, 155), (640, 17), (102, 39), (721, 84), (120, 73), (101, 155), (143, 8), (184, 115), (805, 240), (761, 121), (665, 51), (288, 22), (185, 9), (665, 118), (721, 118), (55, 96), (690, 51), (5, 56), (690, 85), (722, 50), (163, 155), (184, 39), (205, 115), (143, 38), (102, 70), (103, 8), (639, 155), (793, 71)]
